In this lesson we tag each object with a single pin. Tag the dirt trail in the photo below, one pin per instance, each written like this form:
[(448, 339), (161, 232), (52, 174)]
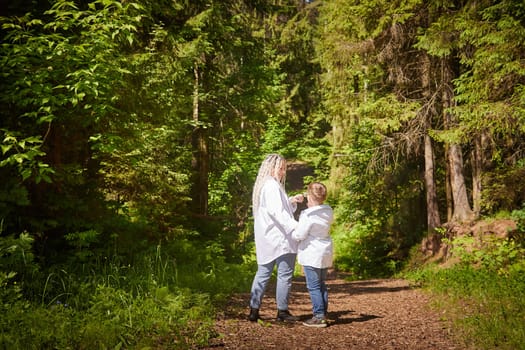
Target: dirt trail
[(371, 314)]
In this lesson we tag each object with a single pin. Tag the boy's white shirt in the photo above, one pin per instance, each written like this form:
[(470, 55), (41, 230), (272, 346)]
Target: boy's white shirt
[(313, 233), (274, 223)]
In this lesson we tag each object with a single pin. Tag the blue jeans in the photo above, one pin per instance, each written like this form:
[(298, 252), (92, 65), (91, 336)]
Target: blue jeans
[(285, 268), (315, 282)]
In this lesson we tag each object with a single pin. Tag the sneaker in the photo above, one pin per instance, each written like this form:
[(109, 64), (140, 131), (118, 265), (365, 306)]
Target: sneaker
[(316, 322), (254, 315), (286, 316)]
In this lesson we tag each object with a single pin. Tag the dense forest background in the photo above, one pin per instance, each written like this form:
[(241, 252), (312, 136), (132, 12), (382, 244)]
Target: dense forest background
[(131, 134)]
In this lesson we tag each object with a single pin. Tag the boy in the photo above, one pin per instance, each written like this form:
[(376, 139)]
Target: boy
[(315, 252)]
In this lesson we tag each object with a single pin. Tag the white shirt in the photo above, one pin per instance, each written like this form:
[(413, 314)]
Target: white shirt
[(274, 223), (313, 232)]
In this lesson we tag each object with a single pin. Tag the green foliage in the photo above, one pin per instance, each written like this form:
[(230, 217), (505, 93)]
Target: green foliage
[(144, 176), (486, 307), (383, 84), (482, 294), (363, 250), (380, 198), (82, 241), (24, 155), (437, 39), (491, 253), (114, 319), (276, 134), (502, 189), (519, 217), (518, 236), (72, 57), (12, 196), (387, 115), (61, 72), (16, 267), (163, 297)]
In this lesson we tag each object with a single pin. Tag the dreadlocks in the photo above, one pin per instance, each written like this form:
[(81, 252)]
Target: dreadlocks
[(269, 166)]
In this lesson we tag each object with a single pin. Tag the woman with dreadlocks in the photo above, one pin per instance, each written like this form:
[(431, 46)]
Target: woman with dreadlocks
[(273, 225)]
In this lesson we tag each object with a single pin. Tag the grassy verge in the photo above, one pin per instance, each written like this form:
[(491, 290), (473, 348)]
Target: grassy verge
[(486, 308)]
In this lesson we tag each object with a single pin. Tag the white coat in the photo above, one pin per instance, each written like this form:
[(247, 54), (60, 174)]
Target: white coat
[(274, 223), (313, 233)]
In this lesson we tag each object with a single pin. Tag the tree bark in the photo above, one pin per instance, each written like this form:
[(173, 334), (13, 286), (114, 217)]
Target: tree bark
[(462, 211), (477, 165), (433, 220), (200, 164), (433, 240), (448, 187)]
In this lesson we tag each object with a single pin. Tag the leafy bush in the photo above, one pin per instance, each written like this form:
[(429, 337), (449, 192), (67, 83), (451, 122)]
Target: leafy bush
[(16, 266), (493, 254), (519, 217), (363, 250)]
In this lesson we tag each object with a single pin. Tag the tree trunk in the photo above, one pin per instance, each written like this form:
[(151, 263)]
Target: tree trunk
[(200, 164), (433, 220), (433, 240), (477, 164), (462, 211), (448, 187)]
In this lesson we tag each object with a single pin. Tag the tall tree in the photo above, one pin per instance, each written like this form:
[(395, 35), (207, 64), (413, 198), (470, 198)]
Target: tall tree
[(490, 98)]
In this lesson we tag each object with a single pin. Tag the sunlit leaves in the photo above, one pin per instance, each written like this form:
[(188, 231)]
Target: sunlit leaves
[(387, 114), (64, 69), (490, 92), (24, 154), (439, 39)]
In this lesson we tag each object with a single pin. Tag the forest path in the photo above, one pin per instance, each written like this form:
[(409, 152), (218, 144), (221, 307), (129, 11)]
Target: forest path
[(370, 314)]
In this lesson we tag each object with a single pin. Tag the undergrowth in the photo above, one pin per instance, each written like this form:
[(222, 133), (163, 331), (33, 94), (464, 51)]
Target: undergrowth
[(164, 297), (482, 295), (364, 251), (486, 309)]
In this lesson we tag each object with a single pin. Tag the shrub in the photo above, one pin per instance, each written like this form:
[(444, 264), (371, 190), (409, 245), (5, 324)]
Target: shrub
[(363, 250)]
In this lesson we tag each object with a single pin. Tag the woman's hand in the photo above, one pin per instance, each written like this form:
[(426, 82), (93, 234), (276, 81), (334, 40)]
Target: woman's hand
[(298, 198)]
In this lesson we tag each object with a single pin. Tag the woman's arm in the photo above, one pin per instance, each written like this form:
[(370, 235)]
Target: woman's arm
[(278, 206)]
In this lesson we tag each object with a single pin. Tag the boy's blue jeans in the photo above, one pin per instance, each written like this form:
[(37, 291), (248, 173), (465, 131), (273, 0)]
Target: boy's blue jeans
[(285, 268), (315, 282)]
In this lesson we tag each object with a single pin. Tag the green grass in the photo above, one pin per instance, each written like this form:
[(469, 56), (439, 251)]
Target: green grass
[(164, 298), (486, 308)]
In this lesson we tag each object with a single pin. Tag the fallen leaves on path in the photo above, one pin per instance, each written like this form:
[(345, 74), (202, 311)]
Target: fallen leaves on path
[(372, 314)]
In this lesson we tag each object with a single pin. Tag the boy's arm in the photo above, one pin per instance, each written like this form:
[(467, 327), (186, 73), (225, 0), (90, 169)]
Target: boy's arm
[(301, 232)]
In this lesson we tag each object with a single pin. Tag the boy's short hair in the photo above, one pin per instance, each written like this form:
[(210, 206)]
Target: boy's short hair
[(317, 191)]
